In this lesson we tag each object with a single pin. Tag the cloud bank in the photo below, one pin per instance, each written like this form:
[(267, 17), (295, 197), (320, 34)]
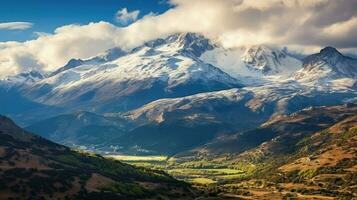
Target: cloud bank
[(303, 24), (15, 25), (50, 51)]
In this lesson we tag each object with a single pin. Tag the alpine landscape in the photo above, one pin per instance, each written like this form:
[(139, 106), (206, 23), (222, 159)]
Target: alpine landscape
[(178, 99)]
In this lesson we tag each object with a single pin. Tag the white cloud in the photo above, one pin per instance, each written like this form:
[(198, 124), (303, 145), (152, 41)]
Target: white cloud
[(304, 25), (238, 22), (125, 17), (50, 51), (15, 25)]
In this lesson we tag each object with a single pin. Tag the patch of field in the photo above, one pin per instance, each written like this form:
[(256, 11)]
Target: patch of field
[(201, 181), (127, 158), (231, 176)]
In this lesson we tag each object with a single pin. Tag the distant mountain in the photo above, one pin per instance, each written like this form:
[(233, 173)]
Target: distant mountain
[(32, 167), (173, 125), (242, 107), (160, 68), (81, 129), (326, 65), (221, 106), (172, 129), (257, 61)]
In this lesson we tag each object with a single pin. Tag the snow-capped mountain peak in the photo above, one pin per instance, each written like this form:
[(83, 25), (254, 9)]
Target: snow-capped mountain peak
[(326, 65), (190, 43), (165, 67), (194, 43), (256, 61), (269, 60)]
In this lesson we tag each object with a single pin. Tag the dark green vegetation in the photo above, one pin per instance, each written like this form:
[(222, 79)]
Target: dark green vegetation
[(32, 167)]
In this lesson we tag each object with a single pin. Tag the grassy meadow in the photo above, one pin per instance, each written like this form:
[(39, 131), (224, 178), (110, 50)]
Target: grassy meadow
[(196, 172)]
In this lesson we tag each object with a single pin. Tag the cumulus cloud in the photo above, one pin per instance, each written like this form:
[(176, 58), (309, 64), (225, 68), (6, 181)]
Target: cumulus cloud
[(125, 17), (304, 25), (15, 25), (50, 51)]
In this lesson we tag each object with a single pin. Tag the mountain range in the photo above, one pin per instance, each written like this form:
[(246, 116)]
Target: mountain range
[(174, 94)]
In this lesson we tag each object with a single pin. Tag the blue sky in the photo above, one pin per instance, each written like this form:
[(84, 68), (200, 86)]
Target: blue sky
[(46, 15)]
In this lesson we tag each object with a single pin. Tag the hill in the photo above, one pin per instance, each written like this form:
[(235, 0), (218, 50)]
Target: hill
[(34, 168)]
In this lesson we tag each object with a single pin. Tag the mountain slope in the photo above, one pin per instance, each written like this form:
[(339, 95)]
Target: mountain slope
[(326, 161), (32, 167)]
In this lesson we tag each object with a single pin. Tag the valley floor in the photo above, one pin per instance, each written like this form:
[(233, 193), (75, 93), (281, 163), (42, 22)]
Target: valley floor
[(219, 180)]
